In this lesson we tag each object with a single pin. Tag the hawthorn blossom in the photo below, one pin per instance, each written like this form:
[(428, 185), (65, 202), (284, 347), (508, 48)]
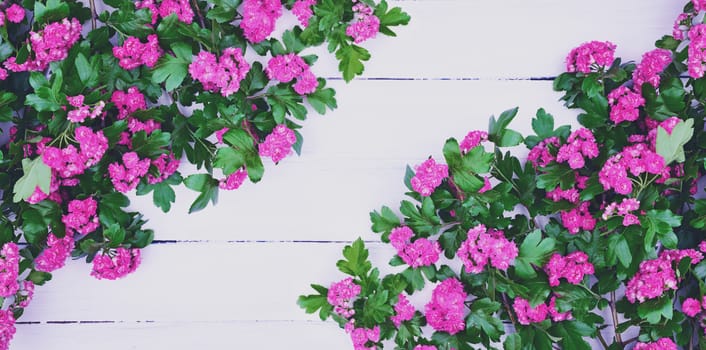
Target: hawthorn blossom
[(179, 7), (290, 66), (341, 296), (581, 144), (428, 176), (362, 336), (115, 264), (656, 276), (223, 74), (624, 105), (573, 267), (278, 144), (649, 69), (234, 180), (55, 255), (127, 175), (7, 328), (527, 314), (588, 55), (555, 315), (697, 53), (9, 269), (166, 165), (51, 44), (484, 246), (473, 139), (133, 53), (661, 344), (446, 310), (82, 216), (691, 307), (421, 252), (365, 25), (680, 24), (259, 18), (624, 209), (541, 155), (15, 13), (302, 9), (578, 218), (404, 311)]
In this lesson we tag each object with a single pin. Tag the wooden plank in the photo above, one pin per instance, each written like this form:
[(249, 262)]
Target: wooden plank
[(492, 39), (201, 282), (182, 336), (353, 160)]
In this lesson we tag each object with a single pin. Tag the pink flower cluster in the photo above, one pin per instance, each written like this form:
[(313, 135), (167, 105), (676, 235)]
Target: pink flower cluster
[(223, 74), (9, 269), (425, 347), (362, 336), (446, 310), (583, 58), (571, 195), (7, 328), (115, 264), (49, 45), (699, 5), (484, 245), (302, 9), (637, 159), (578, 219), (541, 154), (428, 176), (624, 209), (133, 53), (127, 175), (166, 165), (82, 216), (404, 311), (573, 267), (290, 66), (652, 64), (166, 8), (624, 105), (526, 314), (473, 139), (697, 50), (15, 13), (680, 25), (581, 143), (55, 255), (234, 180), (691, 307), (661, 344), (259, 18), (366, 24), (70, 161), (25, 295), (82, 111), (341, 295), (421, 252), (278, 144), (656, 276), (128, 102)]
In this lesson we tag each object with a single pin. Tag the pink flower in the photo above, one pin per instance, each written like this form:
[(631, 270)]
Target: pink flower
[(428, 176), (67, 162), (287, 67), (404, 311), (166, 165), (93, 145), (361, 336), (652, 64), (52, 44), (306, 83), (578, 219), (541, 155), (259, 18), (691, 307), (55, 255), (116, 263), (341, 296), (473, 139), (278, 144), (527, 314), (588, 55), (661, 344), (572, 267), (656, 276), (302, 9), (699, 5), (425, 347), (82, 216), (421, 252), (624, 105), (224, 74), (581, 143), (446, 310), (133, 53), (9, 269), (365, 26), (7, 328), (128, 102), (234, 180), (483, 246), (180, 7), (697, 55), (25, 295), (127, 175), (15, 13)]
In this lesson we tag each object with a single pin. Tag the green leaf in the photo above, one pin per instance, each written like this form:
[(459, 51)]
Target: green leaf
[(39, 277), (384, 221), (36, 174), (671, 147), (228, 159), (512, 341), (205, 184), (43, 100), (394, 17), (356, 260), (500, 134), (653, 310), (115, 235), (172, 70), (533, 251), (351, 59), (54, 10), (316, 302)]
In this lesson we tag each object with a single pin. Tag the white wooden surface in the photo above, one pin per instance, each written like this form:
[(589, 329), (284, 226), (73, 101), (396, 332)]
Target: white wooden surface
[(228, 277)]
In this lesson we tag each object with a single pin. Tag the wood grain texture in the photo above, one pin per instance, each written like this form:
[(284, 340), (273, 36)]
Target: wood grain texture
[(228, 277)]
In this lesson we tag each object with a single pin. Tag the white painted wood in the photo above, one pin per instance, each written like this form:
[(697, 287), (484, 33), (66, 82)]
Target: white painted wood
[(235, 288)]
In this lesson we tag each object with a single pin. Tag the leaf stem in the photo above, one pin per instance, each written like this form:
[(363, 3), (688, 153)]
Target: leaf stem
[(506, 303), (614, 313), (195, 4), (601, 339)]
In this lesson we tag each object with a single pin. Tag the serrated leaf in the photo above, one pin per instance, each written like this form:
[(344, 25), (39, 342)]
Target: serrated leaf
[(671, 146), (36, 174)]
